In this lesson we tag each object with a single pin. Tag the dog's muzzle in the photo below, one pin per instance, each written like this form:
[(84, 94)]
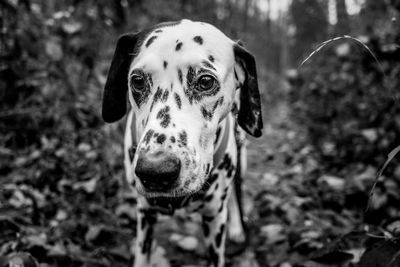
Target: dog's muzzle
[(158, 171)]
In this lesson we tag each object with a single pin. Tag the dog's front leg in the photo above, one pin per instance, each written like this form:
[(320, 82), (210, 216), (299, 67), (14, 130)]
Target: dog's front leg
[(214, 228), (145, 228)]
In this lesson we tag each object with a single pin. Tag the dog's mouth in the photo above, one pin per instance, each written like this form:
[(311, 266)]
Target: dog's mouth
[(179, 191), (168, 202)]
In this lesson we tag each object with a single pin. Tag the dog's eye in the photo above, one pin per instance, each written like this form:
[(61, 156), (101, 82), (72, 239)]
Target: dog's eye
[(206, 82), (137, 82)]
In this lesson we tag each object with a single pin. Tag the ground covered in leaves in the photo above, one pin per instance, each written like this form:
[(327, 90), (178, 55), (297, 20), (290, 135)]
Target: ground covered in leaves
[(64, 201)]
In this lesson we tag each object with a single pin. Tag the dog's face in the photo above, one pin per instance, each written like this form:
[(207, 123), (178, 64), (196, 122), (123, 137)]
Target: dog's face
[(181, 80)]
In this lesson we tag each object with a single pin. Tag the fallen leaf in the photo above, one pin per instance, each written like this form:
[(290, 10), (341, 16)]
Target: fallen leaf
[(334, 182), (273, 232), (88, 186), (22, 259)]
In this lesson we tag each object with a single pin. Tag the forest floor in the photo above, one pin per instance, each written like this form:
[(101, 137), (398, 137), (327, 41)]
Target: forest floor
[(63, 201)]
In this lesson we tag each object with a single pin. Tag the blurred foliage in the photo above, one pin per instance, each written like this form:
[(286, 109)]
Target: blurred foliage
[(63, 196), (62, 187), (348, 101)]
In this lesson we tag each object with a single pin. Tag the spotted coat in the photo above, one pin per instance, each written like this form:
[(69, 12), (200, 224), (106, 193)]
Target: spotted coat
[(189, 87)]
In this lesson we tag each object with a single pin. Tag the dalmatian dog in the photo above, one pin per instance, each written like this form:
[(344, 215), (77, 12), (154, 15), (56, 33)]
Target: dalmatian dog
[(189, 87)]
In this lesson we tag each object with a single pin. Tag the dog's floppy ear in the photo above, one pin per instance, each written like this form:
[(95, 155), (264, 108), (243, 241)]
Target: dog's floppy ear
[(115, 90), (249, 117)]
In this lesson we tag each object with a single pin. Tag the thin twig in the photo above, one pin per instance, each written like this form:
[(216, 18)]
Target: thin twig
[(358, 41), (390, 157), (15, 112)]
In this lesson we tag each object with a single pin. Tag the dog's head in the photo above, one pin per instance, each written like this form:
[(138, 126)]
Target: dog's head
[(181, 79)]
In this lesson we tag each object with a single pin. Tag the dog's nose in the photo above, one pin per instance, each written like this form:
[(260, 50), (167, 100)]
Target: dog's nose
[(158, 171)]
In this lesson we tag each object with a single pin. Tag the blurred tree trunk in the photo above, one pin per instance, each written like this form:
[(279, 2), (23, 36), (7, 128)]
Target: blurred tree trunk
[(284, 46), (120, 15), (268, 19), (343, 26), (247, 4), (230, 16), (309, 17), (268, 33)]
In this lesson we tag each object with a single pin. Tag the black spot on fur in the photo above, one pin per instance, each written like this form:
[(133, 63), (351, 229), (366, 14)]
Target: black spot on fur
[(230, 172), (208, 65), (164, 116), (178, 100), (131, 152), (150, 41), (152, 105), (157, 95), (208, 218), (178, 46), (213, 256), (161, 139), (165, 96), (143, 223), (190, 76), (206, 114), (211, 58), (208, 166), (217, 135), (208, 198), (224, 195), (209, 113), (218, 237), (148, 240), (149, 79), (206, 229), (189, 91), (173, 140), (201, 206), (148, 136), (220, 101), (180, 76), (165, 64), (212, 178), (183, 138), (198, 40), (221, 207), (226, 163), (148, 220), (158, 31)]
